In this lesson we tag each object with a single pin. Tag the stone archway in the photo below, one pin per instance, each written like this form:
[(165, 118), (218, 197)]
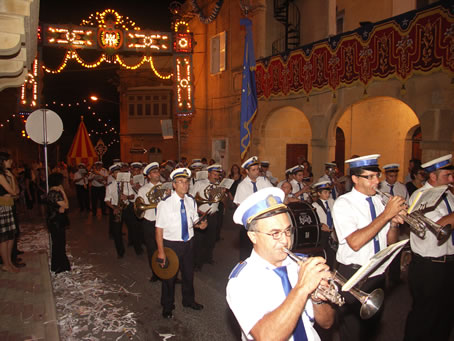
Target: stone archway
[(281, 127), (378, 125)]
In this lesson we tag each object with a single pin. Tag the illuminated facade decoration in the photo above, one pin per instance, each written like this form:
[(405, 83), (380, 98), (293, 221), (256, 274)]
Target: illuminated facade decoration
[(70, 38), (184, 85), (111, 34), (29, 90)]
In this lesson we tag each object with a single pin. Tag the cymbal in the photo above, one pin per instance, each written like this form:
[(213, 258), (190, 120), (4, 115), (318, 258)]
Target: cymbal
[(172, 268)]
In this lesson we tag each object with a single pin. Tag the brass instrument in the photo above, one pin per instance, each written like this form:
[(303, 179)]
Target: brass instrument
[(213, 194), (370, 303), (154, 196), (121, 205), (419, 223)]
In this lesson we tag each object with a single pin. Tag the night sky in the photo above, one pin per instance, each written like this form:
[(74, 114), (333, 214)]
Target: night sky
[(76, 83)]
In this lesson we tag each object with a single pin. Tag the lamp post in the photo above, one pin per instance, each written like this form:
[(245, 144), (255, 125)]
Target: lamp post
[(95, 98)]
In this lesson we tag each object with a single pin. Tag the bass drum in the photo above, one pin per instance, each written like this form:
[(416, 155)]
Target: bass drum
[(307, 224)]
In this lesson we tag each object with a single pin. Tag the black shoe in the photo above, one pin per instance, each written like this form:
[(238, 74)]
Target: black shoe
[(194, 305), (18, 260), (121, 255), (167, 313), (18, 265), (19, 252)]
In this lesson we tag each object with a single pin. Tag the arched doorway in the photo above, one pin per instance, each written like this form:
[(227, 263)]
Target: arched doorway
[(285, 138), (378, 125), (416, 151)]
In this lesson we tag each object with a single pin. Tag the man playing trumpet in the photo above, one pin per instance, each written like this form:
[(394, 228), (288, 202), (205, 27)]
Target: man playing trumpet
[(269, 293), (364, 226)]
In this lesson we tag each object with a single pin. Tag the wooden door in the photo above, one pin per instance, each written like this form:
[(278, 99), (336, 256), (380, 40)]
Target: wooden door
[(295, 154)]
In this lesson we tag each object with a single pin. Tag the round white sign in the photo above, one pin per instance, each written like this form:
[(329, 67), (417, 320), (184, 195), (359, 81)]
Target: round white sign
[(36, 124)]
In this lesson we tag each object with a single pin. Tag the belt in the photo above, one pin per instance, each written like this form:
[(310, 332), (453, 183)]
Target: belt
[(441, 259)]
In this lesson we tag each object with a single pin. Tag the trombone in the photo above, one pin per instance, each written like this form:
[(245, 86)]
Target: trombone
[(370, 303), (419, 223)]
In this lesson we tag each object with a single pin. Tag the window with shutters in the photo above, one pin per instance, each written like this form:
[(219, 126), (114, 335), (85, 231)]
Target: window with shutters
[(218, 52), (150, 103)]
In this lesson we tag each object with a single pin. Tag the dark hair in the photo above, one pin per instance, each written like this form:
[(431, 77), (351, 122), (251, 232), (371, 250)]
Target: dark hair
[(415, 170), (233, 166), (4, 156), (55, 179), (359, 170)]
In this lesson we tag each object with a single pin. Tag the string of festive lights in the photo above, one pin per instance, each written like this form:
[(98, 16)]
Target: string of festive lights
[(118, 60), (30, 82), (100, 18)]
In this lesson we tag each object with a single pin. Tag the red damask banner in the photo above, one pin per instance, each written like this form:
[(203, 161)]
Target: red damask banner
[(412, 43)]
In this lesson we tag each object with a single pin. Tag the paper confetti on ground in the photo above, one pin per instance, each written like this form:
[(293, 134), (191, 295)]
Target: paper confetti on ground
[(88, 306)]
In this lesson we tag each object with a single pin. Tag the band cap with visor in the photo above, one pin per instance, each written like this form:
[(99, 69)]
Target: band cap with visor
[(252, 161), (443, 162), (180, 173), (150, 167)]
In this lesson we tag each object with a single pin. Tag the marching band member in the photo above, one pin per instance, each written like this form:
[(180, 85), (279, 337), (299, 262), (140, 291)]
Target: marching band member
[(174, 229), (299, 188), (324, 206), (81, 182), (264, 169), (98, 180), (390, 184), (195, 167), (286, 187), (330, 175), (431, 271), (363, 226), (206, 239), (113, 200), (135, 232), (269, 294), (151, 171), (249, 185), (288, 177)]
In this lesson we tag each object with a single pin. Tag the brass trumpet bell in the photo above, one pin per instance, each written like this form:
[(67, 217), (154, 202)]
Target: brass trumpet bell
[(140, 207)]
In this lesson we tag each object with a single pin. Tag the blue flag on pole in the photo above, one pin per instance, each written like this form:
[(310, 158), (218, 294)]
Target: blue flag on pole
[(248, 89)]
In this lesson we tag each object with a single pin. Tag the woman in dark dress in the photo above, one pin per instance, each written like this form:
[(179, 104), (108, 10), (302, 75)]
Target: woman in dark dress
[(57, 220), (8, 189), (235, 174)]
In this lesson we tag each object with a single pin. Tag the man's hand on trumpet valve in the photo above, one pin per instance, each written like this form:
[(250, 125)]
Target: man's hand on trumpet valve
[(394, 206), (313, 272)]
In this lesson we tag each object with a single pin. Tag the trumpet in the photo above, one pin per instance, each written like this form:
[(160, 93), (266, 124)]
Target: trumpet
[(213, 194), (419, 223), (370, 303)]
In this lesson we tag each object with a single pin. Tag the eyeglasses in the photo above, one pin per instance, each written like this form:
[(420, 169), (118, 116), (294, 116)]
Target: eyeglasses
[(278, 234), (370, 176)]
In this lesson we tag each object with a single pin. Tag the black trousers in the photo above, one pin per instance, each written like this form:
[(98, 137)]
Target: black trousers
[(205, 240), (220, 214), (59, 260), (431, 287), (115, 228), (149, 230), (185, 253), (97, 195), (82, 197), (351, 326), (134, 225)]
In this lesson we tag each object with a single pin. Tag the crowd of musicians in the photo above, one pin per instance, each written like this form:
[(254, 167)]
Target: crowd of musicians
[(274, 293)]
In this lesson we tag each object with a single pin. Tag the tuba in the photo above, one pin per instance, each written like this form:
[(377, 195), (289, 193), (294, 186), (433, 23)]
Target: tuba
[(213, 194), (370, 303), (154, 196), (419, 223)]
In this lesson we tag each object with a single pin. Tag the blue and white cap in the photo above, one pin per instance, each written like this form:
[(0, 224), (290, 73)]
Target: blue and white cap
[(180, 173), (196, 160), (288, 171), (252, 161), (98, 163), (136, 164), (150, 167), (364, 161), (196, 165), (214, 168), (264, 201), (325, 184), (443, 162), (265, 163), (114, 167), (391, 167), (297, 168), (330, 165)]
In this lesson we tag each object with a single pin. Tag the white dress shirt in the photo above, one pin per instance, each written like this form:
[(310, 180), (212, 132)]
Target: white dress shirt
[(113, 189), (246, 188), (296, 187), (428, 247), (351, 212), (150, 214), (257, 290), (80, 177), (99, 178), (168, 216), (321, 212)]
